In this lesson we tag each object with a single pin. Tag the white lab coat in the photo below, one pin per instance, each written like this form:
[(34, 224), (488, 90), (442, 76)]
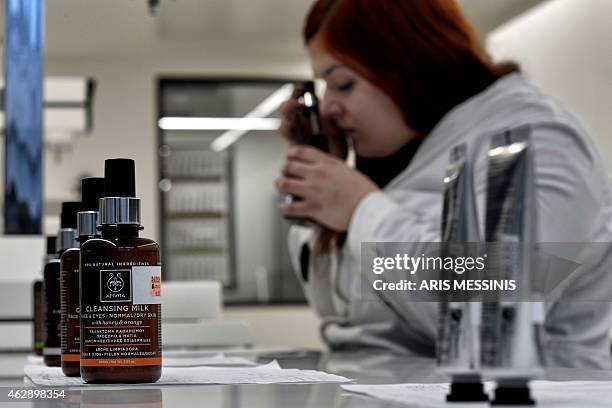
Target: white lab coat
[(573, 205)]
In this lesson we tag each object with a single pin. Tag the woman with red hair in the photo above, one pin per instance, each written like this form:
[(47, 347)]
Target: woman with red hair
[(406, 81)]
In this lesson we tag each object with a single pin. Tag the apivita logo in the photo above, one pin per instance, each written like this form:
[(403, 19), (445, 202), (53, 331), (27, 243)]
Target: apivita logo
[(116, 285)]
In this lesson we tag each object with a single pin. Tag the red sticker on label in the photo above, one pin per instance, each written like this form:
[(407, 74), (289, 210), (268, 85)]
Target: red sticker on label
[(155, 286)]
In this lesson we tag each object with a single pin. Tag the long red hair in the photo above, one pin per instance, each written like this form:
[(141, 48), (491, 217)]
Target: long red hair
[(422, 53)]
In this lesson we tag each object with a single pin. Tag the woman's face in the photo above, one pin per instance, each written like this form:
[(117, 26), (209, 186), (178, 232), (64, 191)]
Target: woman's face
[(366, 114)]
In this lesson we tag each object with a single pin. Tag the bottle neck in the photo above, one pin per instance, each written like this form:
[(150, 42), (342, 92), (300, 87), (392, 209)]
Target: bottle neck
[(119, 231), (84, 238)]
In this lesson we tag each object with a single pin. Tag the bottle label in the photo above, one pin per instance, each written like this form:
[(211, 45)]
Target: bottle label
[(120, 315), (69, 280), (39, 319), (53, 315)]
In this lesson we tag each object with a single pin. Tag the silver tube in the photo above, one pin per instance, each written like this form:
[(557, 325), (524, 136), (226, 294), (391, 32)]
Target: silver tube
[(458, 326), (509, 332), (119, 211), (66, 239)]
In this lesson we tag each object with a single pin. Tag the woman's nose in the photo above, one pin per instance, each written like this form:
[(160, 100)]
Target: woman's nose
[(330, 108)]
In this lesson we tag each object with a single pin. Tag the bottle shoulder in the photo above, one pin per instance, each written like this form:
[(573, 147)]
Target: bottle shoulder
[(52, 266), (121, 242), (52, 263), (70, 253)]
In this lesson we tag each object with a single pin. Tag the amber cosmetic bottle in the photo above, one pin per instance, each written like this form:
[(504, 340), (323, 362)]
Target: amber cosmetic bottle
[(315, 138), (38, 297), (120, 289), (92, 189), (66, 238)]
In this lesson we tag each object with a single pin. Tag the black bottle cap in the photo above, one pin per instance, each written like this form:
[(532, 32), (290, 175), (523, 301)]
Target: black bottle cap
[(92, 189), (467, 392), (513, 396), (51, 240), (69, 214), (309, 86), (119, 178)]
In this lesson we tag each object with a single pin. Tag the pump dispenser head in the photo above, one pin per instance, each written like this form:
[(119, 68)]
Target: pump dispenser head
[(51, 252), (51, 242), (119, 205), (69, 213), (66, 236), (119, 178), (92, 190), (309, 87)]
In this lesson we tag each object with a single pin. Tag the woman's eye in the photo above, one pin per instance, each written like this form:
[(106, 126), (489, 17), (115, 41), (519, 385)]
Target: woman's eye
[(346, 86)]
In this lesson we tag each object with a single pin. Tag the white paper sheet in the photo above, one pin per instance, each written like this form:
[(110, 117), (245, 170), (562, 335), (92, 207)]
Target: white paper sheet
[(267, 374), (216, 360), (35, 360), (546, 393)]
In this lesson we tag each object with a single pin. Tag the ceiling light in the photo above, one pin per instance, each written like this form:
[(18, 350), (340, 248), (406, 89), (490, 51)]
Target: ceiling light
[(265, 108), (242, 124)]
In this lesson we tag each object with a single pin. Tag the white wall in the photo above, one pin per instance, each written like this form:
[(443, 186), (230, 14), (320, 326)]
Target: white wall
[(565, 48)]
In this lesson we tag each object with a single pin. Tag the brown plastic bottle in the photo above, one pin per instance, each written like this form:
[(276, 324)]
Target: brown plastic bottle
[(120, 289), (38, 308), (92, 189), (66, 238), (51, 296), (38, 296), (312, 137), (69, 274)]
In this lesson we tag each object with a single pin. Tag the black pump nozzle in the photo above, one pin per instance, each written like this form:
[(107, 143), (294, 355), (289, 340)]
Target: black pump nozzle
[(92, 189), (51, 240), (311, 111), (119, 178), (309, 86), (70, 210)]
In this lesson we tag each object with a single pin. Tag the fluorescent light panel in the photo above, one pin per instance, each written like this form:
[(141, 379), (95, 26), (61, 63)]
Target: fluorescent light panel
[(265, 108), (234, 128), (241, 124)]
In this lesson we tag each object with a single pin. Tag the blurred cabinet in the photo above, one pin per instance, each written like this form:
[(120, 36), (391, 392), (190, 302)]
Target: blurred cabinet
[(196, 200), (218, 210)]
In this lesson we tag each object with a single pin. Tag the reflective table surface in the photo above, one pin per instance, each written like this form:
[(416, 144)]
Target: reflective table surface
[(363, 367)]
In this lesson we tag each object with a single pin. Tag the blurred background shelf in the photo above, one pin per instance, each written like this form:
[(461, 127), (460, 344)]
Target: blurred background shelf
[(218, 207)]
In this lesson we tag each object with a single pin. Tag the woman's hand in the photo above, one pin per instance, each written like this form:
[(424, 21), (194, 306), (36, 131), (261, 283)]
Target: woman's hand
[(295, 127), (328, 189)]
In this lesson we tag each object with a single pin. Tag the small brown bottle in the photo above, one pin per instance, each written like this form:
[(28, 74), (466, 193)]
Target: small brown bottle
[(120, 289), (314, 137), (66, 239), (92, 189), (38, 296), (38, 340)]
